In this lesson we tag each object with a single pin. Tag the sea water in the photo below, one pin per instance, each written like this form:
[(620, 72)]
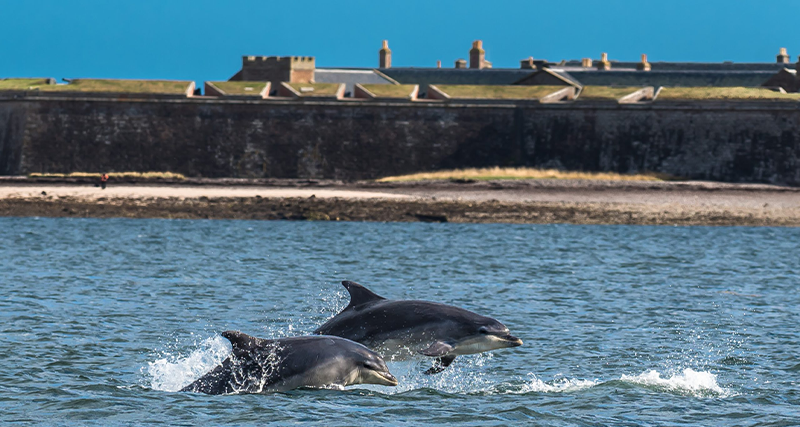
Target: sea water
[(103, 320)]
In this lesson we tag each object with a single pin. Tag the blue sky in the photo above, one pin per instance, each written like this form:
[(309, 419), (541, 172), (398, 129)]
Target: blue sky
[(204, 40)]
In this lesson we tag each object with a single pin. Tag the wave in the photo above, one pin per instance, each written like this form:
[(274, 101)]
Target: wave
[(559, 385), (172, 371), (689, 381)]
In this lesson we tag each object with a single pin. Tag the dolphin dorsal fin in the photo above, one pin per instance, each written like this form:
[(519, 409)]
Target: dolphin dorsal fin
[(359, 294), (242, 343)]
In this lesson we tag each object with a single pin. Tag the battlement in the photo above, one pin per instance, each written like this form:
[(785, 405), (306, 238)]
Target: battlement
[(249, 60), (276, 69)]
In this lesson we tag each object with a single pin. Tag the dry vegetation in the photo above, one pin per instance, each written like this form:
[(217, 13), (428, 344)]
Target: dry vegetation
[(724, 93), (147, 175), (390, 91), (21, 84), (605, 93), (100, 85), (241, 88), (497, 92), (525, 173), (320, 89)]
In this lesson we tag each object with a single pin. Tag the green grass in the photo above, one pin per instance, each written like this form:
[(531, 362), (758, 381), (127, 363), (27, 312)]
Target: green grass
[(21, 84), (724, 94), (121, 86), (605, 93), (241, 88), (320, 89), (390, 91), (496, 173), (170, 175), (497, 92)]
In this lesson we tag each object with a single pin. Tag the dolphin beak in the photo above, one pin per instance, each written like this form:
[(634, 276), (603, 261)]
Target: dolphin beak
[(512, 340), (389, 378)]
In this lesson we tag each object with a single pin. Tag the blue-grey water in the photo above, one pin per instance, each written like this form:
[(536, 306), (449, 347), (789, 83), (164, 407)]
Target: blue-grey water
[(103, 320)]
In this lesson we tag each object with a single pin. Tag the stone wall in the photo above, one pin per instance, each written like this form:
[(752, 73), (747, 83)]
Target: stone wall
[(358, 140), (12, 132), (299, 69)]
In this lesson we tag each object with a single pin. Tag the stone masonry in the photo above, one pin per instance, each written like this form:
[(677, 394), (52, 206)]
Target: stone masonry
[(744, 141)]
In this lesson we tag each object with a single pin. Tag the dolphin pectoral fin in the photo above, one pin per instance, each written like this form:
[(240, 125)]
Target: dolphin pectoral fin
[(440, 364), (243, 344), (437, 349), (359, 294)]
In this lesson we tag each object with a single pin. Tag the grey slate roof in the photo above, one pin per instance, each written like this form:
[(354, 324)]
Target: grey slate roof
[(349, 76), (670, 78), (663, 74), (691, 66), (456, 76)]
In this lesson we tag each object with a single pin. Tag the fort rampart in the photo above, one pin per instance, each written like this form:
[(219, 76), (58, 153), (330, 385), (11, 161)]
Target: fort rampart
[(726, 141)]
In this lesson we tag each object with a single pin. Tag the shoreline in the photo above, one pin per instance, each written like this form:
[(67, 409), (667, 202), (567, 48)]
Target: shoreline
[(523, 201)]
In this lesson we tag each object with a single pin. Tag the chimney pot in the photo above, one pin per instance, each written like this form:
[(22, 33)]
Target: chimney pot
[(385, 56), (603, 63), (783, 56), (643, 65), (477, 56)]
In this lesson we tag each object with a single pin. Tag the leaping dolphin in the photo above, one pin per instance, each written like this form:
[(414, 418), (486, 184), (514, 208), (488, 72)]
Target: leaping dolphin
[(262, 366), (401, 327)]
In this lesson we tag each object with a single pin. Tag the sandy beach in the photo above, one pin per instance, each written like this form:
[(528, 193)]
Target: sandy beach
[(524, 201)]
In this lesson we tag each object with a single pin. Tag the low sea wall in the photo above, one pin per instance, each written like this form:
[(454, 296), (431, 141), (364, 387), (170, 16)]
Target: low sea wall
[(725, 141)]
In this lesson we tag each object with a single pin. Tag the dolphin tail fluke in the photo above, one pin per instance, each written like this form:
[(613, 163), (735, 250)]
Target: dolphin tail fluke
[(359, 294), (440, 364)]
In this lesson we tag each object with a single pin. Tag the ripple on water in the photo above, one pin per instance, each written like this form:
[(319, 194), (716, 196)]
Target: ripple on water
[(103, 320)]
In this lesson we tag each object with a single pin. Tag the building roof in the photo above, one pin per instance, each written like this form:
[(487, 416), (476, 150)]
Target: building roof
[(456, 76), (686, 78), (350, 76), (689, 66), (549, 76), (755, 76)]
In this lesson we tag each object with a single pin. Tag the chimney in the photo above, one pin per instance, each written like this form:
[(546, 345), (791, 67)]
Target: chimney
[(603, 63), (385, 55), (477, 56), (527, 64), (586, 62), (460, 63), (783, 57), (438, 64), (643, 65)]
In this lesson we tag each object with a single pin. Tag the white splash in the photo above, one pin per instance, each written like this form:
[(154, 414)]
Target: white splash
[(559, 385), (173, 372), (696, 383)]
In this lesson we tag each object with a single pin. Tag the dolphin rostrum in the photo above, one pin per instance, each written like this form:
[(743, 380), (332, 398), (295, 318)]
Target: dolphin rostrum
[(401, 327), (262, 366)]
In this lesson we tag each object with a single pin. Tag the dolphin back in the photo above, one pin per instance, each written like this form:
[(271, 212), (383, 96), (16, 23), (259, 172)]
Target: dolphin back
[(257, 365)]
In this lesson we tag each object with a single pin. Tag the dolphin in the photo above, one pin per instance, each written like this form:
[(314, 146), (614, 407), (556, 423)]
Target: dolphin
[(262, 366), (401, 327)]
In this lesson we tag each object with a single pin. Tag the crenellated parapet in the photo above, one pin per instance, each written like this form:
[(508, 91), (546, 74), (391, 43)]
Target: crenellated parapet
[(276, 69)]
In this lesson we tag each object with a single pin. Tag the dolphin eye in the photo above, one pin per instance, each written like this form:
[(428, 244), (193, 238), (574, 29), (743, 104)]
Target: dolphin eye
[(483, 330), (370, 365)]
